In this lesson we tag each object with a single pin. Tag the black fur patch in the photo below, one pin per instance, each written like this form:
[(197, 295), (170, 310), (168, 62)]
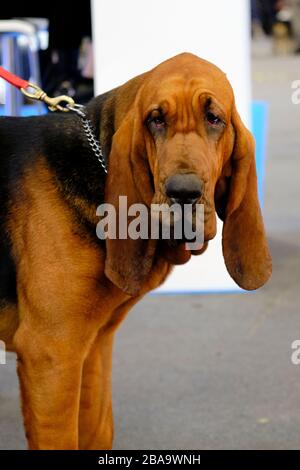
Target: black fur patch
[(59, 138)]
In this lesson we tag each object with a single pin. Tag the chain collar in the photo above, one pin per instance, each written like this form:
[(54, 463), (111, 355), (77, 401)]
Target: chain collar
[(89, 131)]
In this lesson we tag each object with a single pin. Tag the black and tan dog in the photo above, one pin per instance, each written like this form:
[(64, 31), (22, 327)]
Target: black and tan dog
[(171, 133)]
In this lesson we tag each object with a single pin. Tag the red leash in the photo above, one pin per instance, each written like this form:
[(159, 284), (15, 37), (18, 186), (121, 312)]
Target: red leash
[(13, 79), (38, 94)]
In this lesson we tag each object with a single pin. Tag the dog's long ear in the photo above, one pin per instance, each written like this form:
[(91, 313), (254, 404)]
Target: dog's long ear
[(128, 261), (245, 248)]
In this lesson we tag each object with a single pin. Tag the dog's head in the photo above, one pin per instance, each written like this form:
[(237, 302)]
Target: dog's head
[(179, 139)]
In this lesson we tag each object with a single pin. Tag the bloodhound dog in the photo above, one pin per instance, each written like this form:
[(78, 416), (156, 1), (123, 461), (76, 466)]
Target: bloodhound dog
[(172, 133)]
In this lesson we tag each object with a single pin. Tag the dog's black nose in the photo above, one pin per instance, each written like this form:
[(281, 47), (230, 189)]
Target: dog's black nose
[(184, 188)]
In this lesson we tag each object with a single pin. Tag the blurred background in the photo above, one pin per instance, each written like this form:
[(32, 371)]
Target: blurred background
[(209, 371), (50, 45)]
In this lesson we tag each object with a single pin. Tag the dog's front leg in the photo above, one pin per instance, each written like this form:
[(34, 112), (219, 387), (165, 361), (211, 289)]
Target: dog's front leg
[(95, 416), (50, 358)]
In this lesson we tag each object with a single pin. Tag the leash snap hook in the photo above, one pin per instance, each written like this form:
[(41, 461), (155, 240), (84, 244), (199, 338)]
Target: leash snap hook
[(54, 104)]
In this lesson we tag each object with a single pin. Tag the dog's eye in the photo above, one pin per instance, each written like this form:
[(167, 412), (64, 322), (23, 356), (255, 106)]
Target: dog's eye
[(157, 120), (212, 119)]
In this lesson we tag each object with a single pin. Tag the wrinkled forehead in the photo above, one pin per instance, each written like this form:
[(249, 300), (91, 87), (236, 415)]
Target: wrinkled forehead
[(186, 82)]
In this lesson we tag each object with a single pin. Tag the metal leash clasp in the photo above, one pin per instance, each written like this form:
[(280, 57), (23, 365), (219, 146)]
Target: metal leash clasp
[(54, 104)]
